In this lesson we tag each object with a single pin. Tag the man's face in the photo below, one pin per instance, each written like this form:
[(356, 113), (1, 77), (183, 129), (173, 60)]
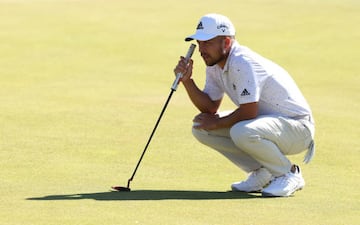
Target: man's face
[(213, 51)]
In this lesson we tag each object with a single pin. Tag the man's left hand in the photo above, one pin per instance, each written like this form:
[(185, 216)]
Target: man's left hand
[(206, 121)]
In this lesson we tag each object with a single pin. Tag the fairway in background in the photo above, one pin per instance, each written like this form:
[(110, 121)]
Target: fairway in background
[(83, 82)]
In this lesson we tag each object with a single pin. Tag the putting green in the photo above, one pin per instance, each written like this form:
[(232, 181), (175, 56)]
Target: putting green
[(83, 82)]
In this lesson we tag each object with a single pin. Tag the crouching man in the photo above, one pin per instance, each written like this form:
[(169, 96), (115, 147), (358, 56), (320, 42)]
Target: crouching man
[(272, 118)]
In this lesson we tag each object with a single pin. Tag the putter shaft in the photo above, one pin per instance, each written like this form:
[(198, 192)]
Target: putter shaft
[(173, 88)]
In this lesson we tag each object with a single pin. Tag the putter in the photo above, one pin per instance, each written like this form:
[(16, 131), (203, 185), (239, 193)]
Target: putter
[(173, 88)]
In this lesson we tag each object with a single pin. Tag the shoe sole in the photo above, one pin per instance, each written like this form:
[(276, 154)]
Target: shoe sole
[(266, 194), (233, 189)]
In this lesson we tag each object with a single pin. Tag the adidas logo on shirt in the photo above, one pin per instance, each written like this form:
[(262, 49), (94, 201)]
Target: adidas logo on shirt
[(245, 92)]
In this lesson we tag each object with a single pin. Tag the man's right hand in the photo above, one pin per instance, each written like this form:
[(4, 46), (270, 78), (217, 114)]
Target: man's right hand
[(185, 67)]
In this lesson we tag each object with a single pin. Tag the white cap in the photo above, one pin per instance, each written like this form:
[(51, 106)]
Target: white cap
[(212, 25)]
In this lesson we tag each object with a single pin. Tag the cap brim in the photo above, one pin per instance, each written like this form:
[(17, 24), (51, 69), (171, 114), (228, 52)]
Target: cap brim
[(200, 37)]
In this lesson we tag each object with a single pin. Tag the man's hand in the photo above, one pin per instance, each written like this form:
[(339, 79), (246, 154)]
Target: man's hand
[(185, 67), (206, 121)]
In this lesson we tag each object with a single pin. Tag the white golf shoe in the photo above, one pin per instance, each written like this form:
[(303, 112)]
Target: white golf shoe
[(285, 185), (256, 181)]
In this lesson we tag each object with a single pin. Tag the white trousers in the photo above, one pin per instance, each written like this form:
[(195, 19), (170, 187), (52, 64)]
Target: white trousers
[(261, 142)]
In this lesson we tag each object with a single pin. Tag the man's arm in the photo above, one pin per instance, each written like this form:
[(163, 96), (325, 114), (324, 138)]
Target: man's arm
[(244, 112), (200, 99), (210, 122)]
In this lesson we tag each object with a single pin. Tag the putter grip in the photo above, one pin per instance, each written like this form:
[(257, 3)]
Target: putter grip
[(179, 75)]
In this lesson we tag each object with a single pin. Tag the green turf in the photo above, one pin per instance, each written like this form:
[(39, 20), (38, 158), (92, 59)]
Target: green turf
[(83, 82)]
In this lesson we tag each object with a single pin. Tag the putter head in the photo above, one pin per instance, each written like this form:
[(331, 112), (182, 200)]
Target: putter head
[(120, 188)]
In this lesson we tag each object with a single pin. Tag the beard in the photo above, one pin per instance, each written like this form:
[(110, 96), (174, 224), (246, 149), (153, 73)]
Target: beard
[(211, 60)]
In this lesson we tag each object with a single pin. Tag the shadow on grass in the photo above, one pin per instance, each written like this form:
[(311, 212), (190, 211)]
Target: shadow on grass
[(150, 195)]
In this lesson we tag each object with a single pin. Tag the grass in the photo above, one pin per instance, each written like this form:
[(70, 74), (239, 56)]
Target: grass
[(82, 84)]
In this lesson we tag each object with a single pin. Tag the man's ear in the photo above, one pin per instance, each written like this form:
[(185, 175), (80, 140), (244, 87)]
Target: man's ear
[(227, 42)]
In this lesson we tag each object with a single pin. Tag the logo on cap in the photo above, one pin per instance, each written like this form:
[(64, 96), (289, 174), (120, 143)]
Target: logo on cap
[(200, 26), (223, 27)]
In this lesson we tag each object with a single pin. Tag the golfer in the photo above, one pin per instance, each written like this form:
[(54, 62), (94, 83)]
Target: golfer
[(272, 119)]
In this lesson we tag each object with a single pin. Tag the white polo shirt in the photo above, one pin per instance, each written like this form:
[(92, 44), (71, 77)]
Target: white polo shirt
[(248, 77)]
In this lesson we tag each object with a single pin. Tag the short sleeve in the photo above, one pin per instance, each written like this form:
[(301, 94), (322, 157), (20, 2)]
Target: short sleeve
[(246, 75)]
